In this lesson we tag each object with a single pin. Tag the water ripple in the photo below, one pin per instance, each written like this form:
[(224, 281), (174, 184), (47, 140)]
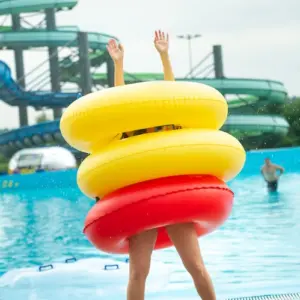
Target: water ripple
[(260, 243)]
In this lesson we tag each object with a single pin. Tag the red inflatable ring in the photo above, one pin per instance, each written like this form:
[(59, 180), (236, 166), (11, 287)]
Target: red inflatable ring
[(204, 200)]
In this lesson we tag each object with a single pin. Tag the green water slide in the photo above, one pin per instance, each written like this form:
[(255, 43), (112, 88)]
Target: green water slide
[(246, 91), (250, 92), (64, 36), (10, 7), (39, 37)]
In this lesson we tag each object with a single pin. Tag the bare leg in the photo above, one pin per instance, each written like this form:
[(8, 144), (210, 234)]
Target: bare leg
[(140, 250), (186, 243)]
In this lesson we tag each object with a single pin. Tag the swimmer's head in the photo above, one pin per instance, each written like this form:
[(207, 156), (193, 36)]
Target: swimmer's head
[(267, 161)]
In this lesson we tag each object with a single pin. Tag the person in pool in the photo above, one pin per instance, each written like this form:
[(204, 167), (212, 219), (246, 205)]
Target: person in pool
[(269, 172), (183, 236)]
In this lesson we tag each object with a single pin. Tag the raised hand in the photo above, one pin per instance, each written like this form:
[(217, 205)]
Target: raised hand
[(115, 50), (161, 42)]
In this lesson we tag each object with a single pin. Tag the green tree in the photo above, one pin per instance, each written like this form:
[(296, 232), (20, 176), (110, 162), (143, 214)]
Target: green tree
[(291, 111), (271, 109), (42, 117), (3, 163), (3, 159)]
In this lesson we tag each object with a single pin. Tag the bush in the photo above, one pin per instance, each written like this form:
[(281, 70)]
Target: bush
[(3, 164), (291, 112)]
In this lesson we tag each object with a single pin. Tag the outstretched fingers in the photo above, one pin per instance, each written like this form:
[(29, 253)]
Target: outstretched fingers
[(161, 36), (156, 36), (115, 49), (121, 48), (112, 44)]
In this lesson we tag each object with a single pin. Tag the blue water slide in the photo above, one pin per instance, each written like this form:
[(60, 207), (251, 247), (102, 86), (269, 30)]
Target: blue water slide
[(13, 94)]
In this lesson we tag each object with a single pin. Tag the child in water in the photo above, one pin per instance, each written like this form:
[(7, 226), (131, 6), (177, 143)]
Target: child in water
[(184, 235)]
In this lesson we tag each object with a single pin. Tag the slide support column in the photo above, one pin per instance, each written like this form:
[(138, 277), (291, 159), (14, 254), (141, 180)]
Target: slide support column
[(110, 70), (53, 60), (19, 62), (84, 63), (218, 61)]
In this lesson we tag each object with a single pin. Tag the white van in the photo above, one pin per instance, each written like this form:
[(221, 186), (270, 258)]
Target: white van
[(41, 159)]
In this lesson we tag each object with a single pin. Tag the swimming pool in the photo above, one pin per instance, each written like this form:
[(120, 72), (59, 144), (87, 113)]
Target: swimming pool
[(257, 251)]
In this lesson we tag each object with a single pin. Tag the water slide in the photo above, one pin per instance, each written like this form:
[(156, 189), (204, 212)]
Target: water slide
[(13, 94), (250, 93), (260, 91)]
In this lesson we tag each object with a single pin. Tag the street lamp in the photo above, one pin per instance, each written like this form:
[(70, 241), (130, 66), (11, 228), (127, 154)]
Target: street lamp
[(189, 37)]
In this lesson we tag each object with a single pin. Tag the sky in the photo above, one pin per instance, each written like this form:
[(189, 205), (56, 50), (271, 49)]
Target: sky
[(260, 38)]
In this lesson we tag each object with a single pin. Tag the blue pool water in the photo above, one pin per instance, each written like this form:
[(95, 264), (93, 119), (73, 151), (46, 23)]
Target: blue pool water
[(256, 251)]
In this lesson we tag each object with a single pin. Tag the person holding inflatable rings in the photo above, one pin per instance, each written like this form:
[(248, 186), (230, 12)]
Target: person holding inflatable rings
[(183, 236)]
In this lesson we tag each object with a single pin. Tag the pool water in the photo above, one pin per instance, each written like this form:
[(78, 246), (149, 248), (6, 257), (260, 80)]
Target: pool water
[(256, 251)]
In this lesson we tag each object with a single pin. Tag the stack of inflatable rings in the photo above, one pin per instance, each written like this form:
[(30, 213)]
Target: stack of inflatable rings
[(157, 178)]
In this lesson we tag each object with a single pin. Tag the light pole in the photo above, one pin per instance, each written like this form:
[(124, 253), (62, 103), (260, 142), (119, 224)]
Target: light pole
[(189, 38)]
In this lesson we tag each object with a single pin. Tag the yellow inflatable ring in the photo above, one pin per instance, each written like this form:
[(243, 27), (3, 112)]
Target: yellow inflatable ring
[(97, 119), (160, 154)]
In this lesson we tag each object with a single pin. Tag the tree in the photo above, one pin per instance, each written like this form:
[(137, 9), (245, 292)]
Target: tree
[(3, 163), (291, 112), (42, 118), (3, 159)]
